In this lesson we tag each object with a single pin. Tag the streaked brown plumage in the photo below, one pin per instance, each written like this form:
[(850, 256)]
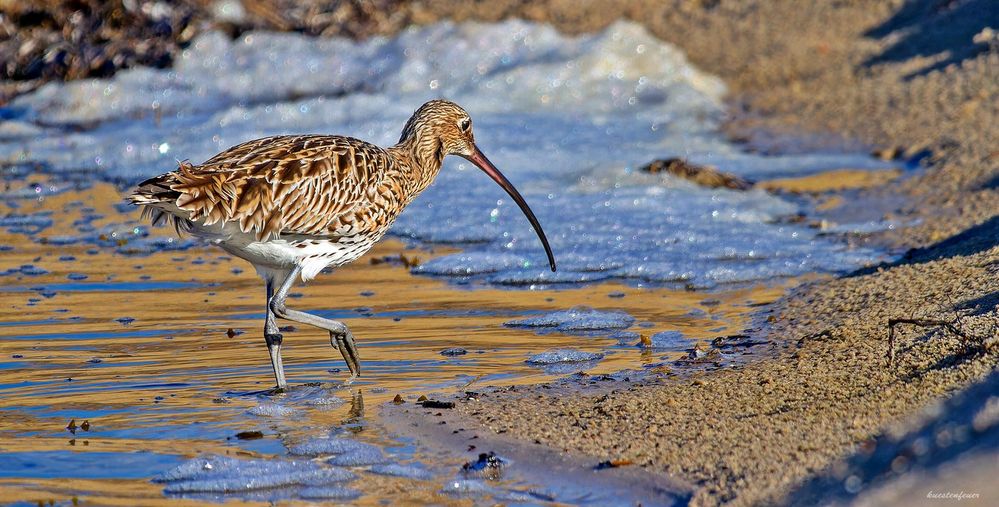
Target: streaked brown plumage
[(294, 205)]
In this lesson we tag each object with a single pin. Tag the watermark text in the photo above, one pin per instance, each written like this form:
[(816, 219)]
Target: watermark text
[(952, 495)]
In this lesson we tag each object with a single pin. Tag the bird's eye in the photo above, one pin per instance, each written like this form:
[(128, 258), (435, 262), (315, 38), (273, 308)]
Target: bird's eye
[(465, 124)]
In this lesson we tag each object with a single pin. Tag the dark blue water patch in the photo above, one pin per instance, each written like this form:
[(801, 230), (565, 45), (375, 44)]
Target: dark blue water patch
[(92, 335), (25, 269), (62, 386), (38, 191), (107, 287), (263, 446), (13, 365), (22, 385), (152, 422), (59, 240), (75, 348), (13, 113), (85, 465), (165, 429), (26, 224), (80, 223), (124, 207), (39, 322)]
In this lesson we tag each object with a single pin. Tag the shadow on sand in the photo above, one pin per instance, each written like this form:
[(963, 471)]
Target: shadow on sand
[(976, 239), (942, 28)]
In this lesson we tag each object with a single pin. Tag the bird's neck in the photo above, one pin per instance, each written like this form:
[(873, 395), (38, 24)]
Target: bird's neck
[(419, 162)]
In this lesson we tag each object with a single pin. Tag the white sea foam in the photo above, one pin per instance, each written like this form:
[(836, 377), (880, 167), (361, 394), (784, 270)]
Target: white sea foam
[(409, 471), (361, 456), (568, 119), (554, 356), (222, 474), (268, 409), (578, 319), (325, 446)]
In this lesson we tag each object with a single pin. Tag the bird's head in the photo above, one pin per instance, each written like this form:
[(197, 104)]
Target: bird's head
[(440, 128)]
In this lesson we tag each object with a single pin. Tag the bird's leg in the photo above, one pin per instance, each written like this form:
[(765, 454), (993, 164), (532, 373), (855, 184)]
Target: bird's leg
[(340, 336), (274, 338)]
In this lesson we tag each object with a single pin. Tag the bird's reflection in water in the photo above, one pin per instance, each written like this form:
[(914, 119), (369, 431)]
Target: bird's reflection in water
[(354, 422)]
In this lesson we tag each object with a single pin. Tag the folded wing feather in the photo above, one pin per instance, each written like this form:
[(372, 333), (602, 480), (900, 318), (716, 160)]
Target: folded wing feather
[(302, 185)]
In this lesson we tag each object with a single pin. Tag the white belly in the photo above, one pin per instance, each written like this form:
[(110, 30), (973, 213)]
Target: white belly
[(282, 255)]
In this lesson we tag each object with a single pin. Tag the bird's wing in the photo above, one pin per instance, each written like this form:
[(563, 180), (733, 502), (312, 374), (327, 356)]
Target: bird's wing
[(301, 185)]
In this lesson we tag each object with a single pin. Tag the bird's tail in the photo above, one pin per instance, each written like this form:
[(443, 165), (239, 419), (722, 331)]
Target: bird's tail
[(155, 191), (157, 198)]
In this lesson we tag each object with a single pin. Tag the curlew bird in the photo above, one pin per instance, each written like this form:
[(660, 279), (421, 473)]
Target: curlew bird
[(295, 205)]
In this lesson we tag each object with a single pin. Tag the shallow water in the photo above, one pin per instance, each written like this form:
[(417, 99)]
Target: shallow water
[(155, 342), (140, 349)]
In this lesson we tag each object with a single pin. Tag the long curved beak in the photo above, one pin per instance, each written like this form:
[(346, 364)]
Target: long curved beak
[(487, 167)]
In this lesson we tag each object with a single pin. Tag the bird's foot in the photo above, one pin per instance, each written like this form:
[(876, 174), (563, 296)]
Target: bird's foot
[(345, 343)]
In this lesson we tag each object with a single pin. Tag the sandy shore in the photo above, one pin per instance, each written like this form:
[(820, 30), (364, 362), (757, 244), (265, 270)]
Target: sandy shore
[(908, 80)]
